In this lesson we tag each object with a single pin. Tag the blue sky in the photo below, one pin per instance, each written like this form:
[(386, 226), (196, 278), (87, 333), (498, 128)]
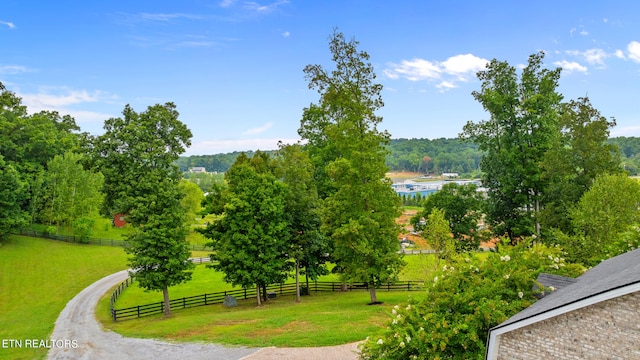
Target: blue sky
[(234, 68)]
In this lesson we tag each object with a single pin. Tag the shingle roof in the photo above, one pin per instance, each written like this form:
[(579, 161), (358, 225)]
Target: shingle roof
[(556, 282), (614, 273)]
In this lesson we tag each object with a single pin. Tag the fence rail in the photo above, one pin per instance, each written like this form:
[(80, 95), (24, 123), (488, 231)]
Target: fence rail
[(93, 241), (282, 289)]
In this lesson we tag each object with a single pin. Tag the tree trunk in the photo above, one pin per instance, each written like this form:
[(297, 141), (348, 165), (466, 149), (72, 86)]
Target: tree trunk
[(537, 218), (297, 281), (372, 294), (167, 305), (306, 275), (258, 294)]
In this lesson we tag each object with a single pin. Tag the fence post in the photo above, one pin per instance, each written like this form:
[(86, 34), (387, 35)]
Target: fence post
[(205, 299), (138, 310)]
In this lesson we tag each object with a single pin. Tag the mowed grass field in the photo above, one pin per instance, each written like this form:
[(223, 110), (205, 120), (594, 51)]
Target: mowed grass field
[(37, 279), (321, 319)]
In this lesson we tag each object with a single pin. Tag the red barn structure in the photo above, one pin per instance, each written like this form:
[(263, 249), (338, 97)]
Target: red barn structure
[(119, 220)]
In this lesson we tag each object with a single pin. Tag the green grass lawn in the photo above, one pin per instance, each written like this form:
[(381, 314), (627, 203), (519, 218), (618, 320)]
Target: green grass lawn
[(319, 320), (37, 279), (206, 280)]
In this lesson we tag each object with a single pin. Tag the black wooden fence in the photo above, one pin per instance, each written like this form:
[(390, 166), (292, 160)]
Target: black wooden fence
[(93, 241), (218, 297)]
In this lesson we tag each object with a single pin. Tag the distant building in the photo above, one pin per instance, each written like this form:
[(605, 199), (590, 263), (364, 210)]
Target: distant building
[(198, 170), (450, 175), (119, 220)]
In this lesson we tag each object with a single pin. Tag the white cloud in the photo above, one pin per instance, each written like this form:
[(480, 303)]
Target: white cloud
[(414, 70), (254, 6), (195, 44), (570, 66), (258, 130), (464, 64), (286, 34), (71, 97), (572, 31), (13, 69), (592, 56), (8, 23), (634, 51), (226, 146), (620, 54), (595, 56), (584, 33), (167, 17), (227, 3), (626, 131), (454, 69), (446, 85), (65, 101)]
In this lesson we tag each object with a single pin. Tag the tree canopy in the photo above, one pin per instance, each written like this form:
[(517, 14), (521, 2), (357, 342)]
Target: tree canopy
[(464, 299), (136, 154), (462, 207), (523, 122), (348, 151), (251, 238)]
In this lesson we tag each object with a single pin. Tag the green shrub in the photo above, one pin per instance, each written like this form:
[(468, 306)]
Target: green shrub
[(83, 227), (466, 298)]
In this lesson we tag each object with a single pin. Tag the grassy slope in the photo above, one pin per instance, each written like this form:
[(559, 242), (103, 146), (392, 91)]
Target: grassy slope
[(61, 270), (319, 320), (37, 279)]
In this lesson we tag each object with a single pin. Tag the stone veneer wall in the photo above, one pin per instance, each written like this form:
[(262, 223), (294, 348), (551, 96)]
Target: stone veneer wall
[(606, 330)]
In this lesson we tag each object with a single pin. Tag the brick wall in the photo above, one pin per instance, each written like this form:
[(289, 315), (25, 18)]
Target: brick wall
[(607, 330)]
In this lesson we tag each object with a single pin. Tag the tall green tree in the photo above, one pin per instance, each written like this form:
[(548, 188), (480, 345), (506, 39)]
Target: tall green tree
[(579, 155), (136, 154), (28, 142), (309, 248), (438, 235), (12, 193), (251, 239), (359, 207), (602, 215), (522, 128), (462, 207), (70, 191), (192, 200)]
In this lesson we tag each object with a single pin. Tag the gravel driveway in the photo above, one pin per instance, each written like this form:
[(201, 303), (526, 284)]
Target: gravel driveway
[(77, 322)]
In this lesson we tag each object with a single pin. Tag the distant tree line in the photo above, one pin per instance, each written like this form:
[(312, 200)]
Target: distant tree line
[(629, 153), (426, 156), (213, 163)]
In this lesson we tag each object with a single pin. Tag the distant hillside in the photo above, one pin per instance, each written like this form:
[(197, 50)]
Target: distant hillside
[(213, 163), (423, 155)]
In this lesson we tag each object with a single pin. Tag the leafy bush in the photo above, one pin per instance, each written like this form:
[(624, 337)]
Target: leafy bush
[(50, 230), (466, 298), (83, 227)]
